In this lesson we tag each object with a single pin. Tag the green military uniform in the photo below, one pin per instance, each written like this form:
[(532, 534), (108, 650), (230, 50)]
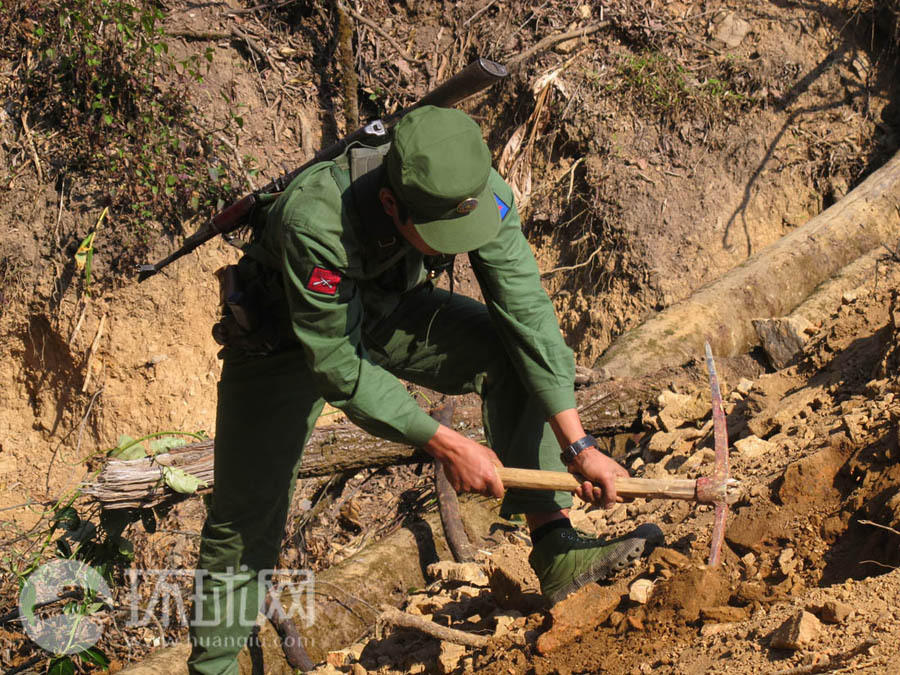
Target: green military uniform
[(347, 302)]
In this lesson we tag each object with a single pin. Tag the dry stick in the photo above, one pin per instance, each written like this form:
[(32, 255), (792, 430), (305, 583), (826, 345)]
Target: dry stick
[(883, 527), (448, 503), (34, 154), (291, 642), (395, 617), (240, 161), (551, 40), (348, 70), (375, 27), (91, 352)]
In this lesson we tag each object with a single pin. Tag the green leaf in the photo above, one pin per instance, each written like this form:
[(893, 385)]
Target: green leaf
[(181, 481), (126, 548), (128, 448), (95, 656), (85, 249), (165, 444), (66, 518), (61, 666)]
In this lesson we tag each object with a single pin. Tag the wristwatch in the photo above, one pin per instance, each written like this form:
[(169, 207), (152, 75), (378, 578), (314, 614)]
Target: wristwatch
[(571, 451)]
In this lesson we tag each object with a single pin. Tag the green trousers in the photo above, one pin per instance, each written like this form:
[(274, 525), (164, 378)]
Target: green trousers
[(266, 412)]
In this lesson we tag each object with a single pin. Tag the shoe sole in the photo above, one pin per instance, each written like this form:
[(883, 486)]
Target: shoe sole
[(637, 543)]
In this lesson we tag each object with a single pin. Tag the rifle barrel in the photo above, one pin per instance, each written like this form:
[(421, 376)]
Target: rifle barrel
[(477, 76)]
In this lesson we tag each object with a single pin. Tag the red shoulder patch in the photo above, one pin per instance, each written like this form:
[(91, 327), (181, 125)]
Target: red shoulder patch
[(323, 281)]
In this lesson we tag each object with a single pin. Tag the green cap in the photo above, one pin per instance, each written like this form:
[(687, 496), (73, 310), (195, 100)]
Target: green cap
[(438, 166)]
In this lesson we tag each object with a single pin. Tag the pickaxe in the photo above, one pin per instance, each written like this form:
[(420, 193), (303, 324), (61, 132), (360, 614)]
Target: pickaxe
[(718, 489)]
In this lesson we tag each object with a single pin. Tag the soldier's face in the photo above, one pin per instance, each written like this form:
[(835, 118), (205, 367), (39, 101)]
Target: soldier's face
[(406, 229)]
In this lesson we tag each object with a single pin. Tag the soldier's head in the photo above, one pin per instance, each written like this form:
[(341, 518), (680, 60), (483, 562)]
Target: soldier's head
[(438, 195)]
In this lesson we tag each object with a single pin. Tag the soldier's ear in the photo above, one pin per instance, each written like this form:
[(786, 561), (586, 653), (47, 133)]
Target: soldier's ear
[(388, 202)]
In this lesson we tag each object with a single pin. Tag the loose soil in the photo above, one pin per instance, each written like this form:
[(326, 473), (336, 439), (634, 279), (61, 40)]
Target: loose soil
[(657, 158)]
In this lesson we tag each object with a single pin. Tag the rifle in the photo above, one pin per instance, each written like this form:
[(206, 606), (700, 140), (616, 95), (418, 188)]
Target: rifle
[(475, 77)]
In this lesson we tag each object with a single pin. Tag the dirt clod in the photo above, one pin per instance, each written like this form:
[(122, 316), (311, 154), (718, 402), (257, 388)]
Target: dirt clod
[(587, 607), (798, 631)]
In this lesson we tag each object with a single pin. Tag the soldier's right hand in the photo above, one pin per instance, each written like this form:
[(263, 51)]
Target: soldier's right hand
[(468, 465)]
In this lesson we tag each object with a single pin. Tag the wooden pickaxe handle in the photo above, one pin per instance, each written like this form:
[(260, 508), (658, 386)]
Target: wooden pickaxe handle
[(651, 488)]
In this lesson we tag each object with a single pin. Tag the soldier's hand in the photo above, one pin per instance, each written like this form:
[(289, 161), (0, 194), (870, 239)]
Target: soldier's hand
[(468, 465), (600, 473)]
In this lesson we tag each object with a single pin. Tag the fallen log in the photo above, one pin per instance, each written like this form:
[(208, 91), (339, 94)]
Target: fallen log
[(769, 284), (606, 408)]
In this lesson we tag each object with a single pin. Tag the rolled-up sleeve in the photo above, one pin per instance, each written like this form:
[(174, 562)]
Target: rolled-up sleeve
[(522, 312)]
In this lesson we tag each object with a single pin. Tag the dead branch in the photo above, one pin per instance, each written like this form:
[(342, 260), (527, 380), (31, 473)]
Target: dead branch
[(375, 27), (393, 616), (550, 40)]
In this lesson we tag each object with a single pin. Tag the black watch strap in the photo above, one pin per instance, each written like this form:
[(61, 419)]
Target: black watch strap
[(570, 452)]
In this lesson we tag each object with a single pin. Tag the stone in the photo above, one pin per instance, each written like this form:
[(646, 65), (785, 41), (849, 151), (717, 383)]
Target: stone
[(855, 425), (698, 459), (357, 669), (513, 583), (504, 620), (356, 650), (849, 297), (796, 632), (834, 611), (724, 614), (744, 386), (783, 338), (584, 11), (710, 629), (466, 573), (640, 591), (676, 409), (786, 562), (580, 612), (730, 30), (449, 657), (752, 447), (662, 557), (338, 658)]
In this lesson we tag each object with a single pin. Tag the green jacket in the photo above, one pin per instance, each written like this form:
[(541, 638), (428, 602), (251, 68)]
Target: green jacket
[(344, 266)]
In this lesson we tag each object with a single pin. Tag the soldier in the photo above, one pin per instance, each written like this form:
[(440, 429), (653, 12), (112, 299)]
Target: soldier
[(339, 306)]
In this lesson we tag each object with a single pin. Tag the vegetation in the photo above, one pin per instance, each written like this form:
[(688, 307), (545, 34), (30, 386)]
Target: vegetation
[(97, 76)]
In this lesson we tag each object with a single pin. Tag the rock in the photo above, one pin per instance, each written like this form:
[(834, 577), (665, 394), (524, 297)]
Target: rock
[(786, 562), (357, 669), (338, 658), (667, 557), (581, 611), (584, 11), (512, 581), (834, 611), (617, 514), (849, 297), (466, 573), (799, 630), (356, 650), (855, 425), (676, 409), (710, 629), (504, 620), (730, 30), (698, 459), (449, 657), (753, 446), (326, 669), (744, 386), (782, 338), (616, 618), (724, 614), (640, 591)]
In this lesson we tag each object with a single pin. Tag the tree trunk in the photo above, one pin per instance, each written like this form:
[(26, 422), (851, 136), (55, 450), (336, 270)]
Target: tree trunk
[(768, 284)]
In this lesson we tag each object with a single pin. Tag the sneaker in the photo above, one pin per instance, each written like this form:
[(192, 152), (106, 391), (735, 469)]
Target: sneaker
[(565, 560)]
